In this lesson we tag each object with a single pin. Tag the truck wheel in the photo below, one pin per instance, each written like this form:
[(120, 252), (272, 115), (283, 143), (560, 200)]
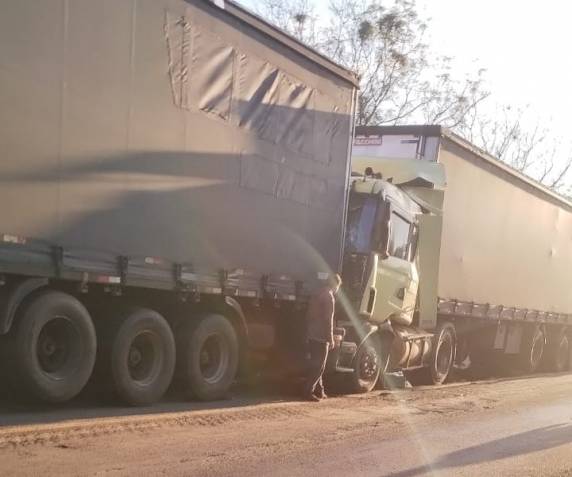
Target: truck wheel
[(53, 347), (530, 356), (207, 357), (138, 354), (368, 364), (441, 360), (558, 355)]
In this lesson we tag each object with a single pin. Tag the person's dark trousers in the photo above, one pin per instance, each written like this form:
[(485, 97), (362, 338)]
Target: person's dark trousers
[(316, 366)]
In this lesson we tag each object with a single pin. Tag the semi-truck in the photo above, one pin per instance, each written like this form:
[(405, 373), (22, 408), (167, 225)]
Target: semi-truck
[(176, 183), (490, 279), (173, 186)]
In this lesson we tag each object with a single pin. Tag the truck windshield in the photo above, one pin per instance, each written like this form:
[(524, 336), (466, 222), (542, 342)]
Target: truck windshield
[(361, 220)]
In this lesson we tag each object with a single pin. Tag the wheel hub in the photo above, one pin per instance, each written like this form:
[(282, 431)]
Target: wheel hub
[(143, 358), (205, 358), (135, 356), (54, 344), (213, 358), (536, 350), (48, 347), (444, 356), (369, 365)]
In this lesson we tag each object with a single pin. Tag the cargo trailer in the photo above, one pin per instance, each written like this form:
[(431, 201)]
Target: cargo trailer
[(173, 184), (176, 185), (495, 259)]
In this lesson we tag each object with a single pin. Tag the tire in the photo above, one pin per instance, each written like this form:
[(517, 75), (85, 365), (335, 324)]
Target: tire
[(207, 357), (530, 356), (368, 365), (53, 347), (558, 354), (138, 354), (441, 359)]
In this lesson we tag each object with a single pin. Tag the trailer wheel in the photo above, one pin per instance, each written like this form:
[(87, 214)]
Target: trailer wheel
[(368, 364), (441, 360), (530, 356), (138, 353), (53, 347), (558, 355), (207, 357)]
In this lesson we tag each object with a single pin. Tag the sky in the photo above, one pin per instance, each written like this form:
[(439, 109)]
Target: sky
[(523, 44)]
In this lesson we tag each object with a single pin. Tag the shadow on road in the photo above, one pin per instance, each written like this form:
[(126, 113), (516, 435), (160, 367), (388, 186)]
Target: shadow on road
[(90, 404), (536, 440)]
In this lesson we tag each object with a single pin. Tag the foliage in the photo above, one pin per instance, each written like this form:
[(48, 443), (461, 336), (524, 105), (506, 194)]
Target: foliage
[(403, 82)]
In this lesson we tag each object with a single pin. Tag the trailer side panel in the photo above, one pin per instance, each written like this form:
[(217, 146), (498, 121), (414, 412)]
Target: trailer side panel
[(170, 129), (504, 242)]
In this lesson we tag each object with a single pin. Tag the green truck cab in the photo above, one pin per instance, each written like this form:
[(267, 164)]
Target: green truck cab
[(380, 309), (438, 271)]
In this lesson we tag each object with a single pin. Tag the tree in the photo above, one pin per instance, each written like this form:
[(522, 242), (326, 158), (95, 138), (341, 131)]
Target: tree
[(385, 46), (401, 81), (526, 145), (293, 16)]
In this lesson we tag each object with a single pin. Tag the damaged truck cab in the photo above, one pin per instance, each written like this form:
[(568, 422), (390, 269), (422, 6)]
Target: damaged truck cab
[(381, 244), (381, 306), (441, 272)]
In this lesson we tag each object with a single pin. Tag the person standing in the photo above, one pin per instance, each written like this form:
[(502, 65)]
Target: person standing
[(320, 337)]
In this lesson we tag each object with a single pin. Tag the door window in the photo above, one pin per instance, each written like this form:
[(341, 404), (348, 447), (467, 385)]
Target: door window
[(399, 237)]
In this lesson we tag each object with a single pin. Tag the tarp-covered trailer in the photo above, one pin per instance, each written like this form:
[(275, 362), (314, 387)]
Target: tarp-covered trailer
[(186, 130), (178, 145)]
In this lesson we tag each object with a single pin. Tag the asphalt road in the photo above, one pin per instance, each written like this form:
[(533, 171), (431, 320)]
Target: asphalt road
[(520, 426)]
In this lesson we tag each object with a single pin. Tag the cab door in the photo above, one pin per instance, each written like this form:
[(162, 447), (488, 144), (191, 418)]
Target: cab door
[(397, 280)]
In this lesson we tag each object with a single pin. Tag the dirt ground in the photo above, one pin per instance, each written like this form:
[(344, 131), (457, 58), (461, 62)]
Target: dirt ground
[(517, 426)]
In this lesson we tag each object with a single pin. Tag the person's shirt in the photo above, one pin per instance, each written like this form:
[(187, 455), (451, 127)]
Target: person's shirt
[(320, 316)]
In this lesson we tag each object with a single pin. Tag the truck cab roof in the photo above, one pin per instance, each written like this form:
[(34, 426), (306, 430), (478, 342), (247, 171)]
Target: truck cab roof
[(376, 186)]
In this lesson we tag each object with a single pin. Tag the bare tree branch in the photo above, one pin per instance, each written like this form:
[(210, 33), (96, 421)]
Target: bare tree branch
[(383, 41)]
